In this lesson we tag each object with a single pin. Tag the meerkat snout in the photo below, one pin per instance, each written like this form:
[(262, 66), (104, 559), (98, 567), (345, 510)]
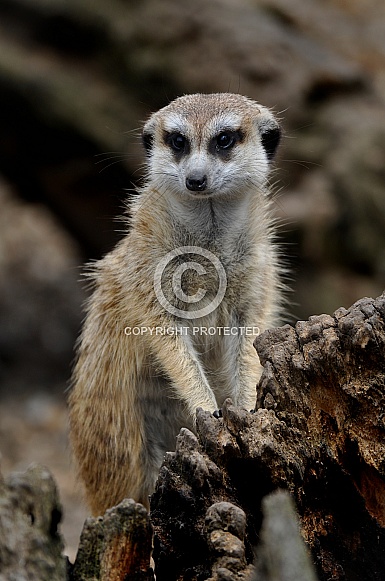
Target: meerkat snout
[(196, 182)]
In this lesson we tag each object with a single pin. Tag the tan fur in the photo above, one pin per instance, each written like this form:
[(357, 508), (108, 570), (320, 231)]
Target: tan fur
[(132, 394)]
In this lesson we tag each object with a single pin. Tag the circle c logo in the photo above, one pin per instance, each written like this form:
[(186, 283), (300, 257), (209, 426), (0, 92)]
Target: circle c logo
[(177, 290)]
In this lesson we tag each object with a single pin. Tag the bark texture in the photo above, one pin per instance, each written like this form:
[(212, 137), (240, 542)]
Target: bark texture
[(30, 544), (318, 431), (116, 547)]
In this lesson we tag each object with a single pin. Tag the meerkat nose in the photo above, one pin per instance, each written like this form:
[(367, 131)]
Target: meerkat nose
[(196, 183)]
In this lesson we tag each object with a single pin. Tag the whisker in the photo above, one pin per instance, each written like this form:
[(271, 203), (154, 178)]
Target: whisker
[(110, 164), (304, 163)]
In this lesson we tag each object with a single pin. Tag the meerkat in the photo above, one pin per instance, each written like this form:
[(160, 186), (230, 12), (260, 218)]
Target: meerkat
[(147, 360)]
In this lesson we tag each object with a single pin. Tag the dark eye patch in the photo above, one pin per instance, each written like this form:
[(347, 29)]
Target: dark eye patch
[(224, 142), (177, 142)]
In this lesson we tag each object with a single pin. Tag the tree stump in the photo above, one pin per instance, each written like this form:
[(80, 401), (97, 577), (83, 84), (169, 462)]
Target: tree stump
[(116, 547), (317, 431), (30, 544)]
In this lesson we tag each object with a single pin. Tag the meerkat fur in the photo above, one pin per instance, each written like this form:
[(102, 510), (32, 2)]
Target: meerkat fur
[(208, 162)]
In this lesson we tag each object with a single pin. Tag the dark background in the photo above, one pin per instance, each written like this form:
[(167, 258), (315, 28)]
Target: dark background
[(78, 78)]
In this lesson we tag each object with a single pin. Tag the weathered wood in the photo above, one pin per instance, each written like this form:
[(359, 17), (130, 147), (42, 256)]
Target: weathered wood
[(281, 554), (116, 547), (225, 528), (30, 544), (318, 431), (324, 387)]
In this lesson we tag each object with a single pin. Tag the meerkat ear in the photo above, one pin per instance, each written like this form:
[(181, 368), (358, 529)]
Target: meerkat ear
[(148, 134), (270, 137)]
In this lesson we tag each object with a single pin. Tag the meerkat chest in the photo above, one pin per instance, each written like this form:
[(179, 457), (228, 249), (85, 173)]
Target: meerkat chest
[(209, 333), (192, 280)]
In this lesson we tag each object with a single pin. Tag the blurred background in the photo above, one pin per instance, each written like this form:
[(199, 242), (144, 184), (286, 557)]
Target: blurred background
[(78, 77)]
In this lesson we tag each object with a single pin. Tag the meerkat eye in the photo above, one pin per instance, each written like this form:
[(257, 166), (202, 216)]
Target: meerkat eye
[(225, 140), (177, 142)]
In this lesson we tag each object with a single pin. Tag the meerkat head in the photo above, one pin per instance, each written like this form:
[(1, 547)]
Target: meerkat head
[(208, 145)]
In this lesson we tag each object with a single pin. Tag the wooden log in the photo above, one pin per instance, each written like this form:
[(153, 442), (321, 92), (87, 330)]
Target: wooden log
[(30, 544), (116, 547), (317, 431)]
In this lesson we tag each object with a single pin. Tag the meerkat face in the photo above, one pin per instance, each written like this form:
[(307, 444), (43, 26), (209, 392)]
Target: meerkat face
[(210, 145)]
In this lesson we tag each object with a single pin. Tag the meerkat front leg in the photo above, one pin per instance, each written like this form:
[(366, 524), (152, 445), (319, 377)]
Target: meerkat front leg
[(179, 360), (249, 371), (244, 368)]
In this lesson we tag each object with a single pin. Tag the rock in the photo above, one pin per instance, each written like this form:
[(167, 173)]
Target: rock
[(317, 432), (40, 297)]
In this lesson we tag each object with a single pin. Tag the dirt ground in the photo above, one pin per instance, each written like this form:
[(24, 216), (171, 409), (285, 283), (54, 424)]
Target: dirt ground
[(34, 429)]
